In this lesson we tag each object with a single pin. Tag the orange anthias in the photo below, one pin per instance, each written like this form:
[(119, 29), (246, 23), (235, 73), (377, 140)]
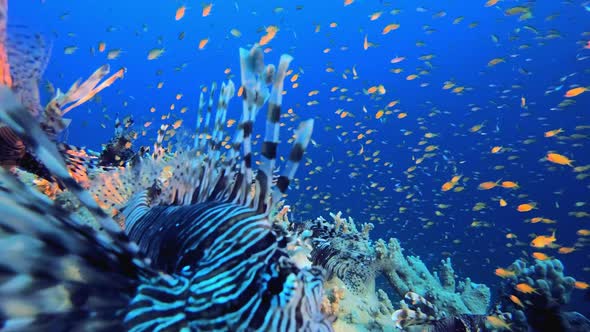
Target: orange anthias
[(487, 185), (526, 207), (180, 13), (543, 241), (516, 301), (525, 288), (557, 158), (509, 185), (504, 273), (575, 92)]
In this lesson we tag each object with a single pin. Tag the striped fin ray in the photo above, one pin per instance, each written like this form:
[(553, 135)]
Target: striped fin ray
[(56, 274), (159, 150), (302, 139), (226, 93), (255, 94), (207, 120), (196, 145), (271, 136), (28, 55), (52, 120), (12, 149), (78, 94)]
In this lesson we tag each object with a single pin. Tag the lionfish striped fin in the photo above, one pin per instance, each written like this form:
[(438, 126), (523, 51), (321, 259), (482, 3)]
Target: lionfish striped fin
[(22, 122), (255, 94), (12, 149), (28, 55), (271, 136), (206, 127), (199, 120), (78, 94), (302, 139), (226, 93), (57, 274)]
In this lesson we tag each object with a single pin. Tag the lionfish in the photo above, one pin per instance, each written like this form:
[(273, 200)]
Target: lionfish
[(192, 249)]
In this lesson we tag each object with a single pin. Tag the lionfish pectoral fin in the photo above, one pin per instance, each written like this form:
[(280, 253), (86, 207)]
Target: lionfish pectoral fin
[(137, 206), (55, 273)]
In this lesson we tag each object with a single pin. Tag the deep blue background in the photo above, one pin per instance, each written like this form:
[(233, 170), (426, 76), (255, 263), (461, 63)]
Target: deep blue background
[(461, 54)]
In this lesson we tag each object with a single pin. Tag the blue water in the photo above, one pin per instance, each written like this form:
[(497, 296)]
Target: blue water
[(460, 54)]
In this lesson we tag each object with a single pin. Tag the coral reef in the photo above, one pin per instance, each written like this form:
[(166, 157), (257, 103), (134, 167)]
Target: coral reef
[(408, 273), (353, 262), (536, 294)]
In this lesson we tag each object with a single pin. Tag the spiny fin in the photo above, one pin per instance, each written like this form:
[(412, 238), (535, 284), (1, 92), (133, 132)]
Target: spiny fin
[(28, 55), (56, 273)]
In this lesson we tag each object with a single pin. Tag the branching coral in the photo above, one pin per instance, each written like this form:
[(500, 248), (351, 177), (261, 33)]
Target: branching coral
[(408, 273), (354, 261)]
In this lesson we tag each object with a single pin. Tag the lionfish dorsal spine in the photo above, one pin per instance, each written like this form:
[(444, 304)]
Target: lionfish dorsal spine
[(196, 144), (271, 136), (302, 139)]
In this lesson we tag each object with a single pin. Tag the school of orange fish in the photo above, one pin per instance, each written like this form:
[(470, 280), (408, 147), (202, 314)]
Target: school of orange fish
[(395, 162)]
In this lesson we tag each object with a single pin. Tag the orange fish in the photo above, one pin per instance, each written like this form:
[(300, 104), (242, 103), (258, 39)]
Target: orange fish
[(543, 220), (581, 285), (526, 207), (509, 185), (559, 159), (447, 186), (543, 241), (397, 59), (525, 288), (496, 149), (271, 32), (498, 323), (495, 61), (487, 185), (503, 202), (516, 301), (504, 273), (583, 232), (207, 10), (540, 256), (390, 27), (348, 2), (203, 42), (554, 132), (490, 3), (575, 92), (566, 250), (180, 13)]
